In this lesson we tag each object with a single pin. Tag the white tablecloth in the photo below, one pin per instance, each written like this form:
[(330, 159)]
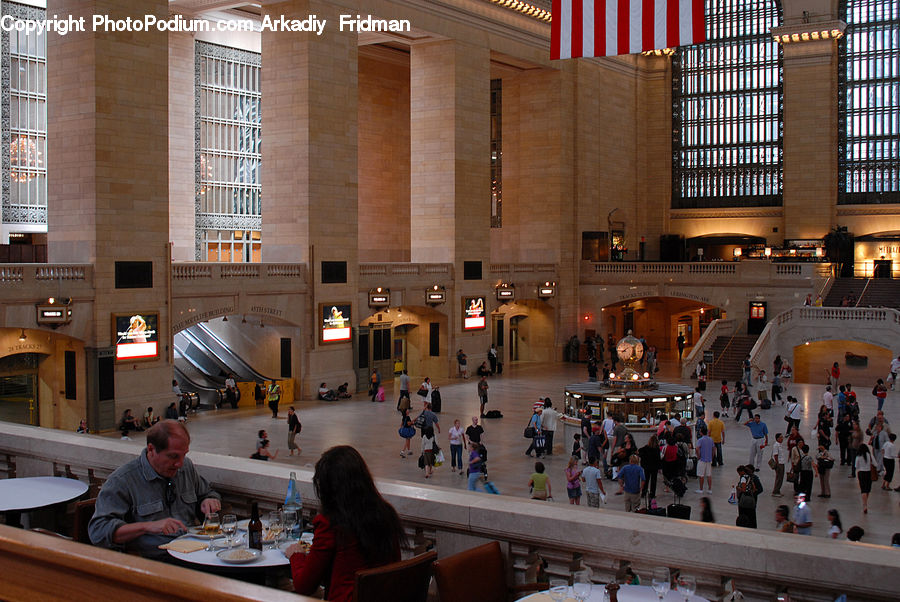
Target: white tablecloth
[(271, 557), (30, 493), (626, 593)]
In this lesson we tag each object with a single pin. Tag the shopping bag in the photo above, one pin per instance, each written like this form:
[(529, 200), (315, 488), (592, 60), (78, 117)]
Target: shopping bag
[(733, 498), (380, 395), (439, 458)]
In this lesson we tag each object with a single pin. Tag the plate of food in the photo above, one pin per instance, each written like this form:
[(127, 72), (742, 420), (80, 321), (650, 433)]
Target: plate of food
[(304, 546), (199, 532), (239, 555)]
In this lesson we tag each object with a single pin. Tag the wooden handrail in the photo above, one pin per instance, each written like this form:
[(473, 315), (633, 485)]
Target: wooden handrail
[(863, 293), (40, 567)]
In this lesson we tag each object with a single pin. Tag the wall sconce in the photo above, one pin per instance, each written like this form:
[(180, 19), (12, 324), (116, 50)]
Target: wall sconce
[(435, 295), (506, 292), (737, 253), (768, 251), (547, 290), (22, 336), (379, 297)]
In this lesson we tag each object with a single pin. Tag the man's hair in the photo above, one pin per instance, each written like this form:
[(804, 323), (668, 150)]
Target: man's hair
[(635, 459), (716, 414), (159, 434), (259, 433)]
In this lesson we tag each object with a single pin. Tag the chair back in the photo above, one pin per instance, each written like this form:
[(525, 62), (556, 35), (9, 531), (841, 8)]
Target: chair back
[(404, 581), (476, 575), (84, 511)]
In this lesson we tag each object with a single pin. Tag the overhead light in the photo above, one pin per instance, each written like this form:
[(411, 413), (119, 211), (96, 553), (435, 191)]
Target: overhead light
[(435, 295), (243, 319), (22, 336), (768, 251)]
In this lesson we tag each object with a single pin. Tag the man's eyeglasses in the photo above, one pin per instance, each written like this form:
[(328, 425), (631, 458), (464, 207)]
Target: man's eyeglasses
[(170, 493)]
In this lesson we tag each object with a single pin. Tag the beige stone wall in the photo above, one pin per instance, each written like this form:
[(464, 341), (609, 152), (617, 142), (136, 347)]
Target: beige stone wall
[(384, 163), (182, 215)]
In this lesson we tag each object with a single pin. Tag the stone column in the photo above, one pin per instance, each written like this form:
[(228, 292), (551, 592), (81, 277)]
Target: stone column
[(810, 138), (309, 168), (108, 190)]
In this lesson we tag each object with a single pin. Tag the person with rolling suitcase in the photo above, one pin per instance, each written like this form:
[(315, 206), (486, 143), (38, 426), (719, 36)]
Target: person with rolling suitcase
[(632, 479)]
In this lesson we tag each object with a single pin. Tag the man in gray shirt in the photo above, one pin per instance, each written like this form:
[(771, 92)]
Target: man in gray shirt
[(404, 387), (154, 498)]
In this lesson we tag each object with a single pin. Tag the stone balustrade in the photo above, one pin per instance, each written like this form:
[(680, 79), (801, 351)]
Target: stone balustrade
[(698, 273), (716, 328), (32, 282), (762, 563)]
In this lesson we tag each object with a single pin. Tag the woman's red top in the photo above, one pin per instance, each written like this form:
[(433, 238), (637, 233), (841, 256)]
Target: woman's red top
[(329, 563)]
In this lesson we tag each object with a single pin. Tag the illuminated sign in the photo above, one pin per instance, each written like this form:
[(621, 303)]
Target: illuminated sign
[(379, 297), (473, 313), (54, 314), (136, 335), (335, 320)]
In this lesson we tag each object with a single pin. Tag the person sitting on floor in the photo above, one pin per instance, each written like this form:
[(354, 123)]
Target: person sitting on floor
[(342, 392), (326, 394)]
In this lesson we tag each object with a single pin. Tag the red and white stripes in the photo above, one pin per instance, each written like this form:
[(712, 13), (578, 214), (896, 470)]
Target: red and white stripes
[(609, 27)]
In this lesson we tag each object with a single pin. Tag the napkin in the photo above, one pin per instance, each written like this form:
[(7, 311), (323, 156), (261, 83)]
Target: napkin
[(185, 546)]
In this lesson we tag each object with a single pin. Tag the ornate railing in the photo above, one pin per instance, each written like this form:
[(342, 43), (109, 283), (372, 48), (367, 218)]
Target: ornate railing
[(739, 272), (761, 563)]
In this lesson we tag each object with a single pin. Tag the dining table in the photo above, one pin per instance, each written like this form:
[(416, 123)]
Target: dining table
[(626, 593), (23, 494)]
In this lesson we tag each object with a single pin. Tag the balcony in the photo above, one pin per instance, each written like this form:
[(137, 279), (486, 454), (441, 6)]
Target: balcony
[(741, 273)]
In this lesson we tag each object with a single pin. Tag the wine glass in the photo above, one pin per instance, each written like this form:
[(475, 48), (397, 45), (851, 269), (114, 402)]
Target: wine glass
[(660, 582), (581, 585), (558, 589), (211, 527), (687, 585), (229, 526), (276, 527), (289, 518)]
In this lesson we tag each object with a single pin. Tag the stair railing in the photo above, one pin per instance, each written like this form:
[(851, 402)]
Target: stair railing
[(863, 293), (737, 331)]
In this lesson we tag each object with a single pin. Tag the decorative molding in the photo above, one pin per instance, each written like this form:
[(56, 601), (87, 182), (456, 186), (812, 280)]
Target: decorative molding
[(228, 221), (869, 210), (23, 214), (726, 213)]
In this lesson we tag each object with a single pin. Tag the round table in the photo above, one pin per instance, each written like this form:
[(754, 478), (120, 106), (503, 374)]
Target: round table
[(30, 493), (627, 593)]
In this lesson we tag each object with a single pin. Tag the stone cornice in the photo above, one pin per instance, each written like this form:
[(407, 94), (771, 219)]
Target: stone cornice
[(726, 212), (868, 210)]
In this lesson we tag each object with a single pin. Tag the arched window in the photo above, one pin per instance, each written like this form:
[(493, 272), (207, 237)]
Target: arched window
[(727, 110), (869, 103)]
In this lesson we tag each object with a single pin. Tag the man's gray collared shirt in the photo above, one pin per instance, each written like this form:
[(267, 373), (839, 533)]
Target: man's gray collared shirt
[(136, 493)]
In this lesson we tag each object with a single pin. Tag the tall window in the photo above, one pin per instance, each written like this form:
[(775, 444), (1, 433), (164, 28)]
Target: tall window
[(228, 203), (869, 103), (727, 110), (24, 114), (496, 154)]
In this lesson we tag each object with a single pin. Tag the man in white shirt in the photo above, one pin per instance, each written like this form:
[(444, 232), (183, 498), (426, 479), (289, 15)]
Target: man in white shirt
[(698, 401), (780, 455), (609, 426), (548, 425), (828, 399)]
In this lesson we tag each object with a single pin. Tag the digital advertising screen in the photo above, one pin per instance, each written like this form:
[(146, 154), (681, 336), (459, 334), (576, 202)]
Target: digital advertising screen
[(335, 321), (136, 336), (473, 313)]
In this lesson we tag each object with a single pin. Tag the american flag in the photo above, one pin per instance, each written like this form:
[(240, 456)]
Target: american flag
[(585, 28)]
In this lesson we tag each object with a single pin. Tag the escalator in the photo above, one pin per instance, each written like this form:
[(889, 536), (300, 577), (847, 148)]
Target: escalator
[(203, 362)]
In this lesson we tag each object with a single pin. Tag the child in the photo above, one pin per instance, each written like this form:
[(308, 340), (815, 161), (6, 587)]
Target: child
[(576, 447)]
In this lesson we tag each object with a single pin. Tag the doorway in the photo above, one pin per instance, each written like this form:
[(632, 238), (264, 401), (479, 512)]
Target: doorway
[(882, 268), (18, 389)]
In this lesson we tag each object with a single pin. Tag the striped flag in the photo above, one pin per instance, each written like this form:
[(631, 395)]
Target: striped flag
[(609, 27)]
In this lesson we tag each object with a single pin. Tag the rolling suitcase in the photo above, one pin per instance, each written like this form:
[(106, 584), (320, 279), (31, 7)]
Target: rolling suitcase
[(436, 402), (678, 511)]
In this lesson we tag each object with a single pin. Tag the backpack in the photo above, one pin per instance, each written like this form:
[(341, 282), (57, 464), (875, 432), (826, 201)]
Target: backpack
[(670, 454), (420, 421)]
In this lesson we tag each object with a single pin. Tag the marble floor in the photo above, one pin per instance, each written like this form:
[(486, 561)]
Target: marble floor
[(372, 428)]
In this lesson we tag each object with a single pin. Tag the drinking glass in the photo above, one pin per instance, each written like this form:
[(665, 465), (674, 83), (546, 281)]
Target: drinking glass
[(687, 585), (582, 585), (211, 527), (661, 582), (291, 529), (558, 589), (229, 525), (276, 527)]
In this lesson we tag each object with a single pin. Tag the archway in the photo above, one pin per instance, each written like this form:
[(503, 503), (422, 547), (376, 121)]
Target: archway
[(525, 331), (19, 400), (411, 338)]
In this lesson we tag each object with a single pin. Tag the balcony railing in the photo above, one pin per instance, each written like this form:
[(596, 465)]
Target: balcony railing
[(761, 563), (737, 272)]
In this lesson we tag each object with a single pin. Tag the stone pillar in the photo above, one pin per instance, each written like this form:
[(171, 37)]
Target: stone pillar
[(810, 138), (108, 195), (450, 209), (309, 168)]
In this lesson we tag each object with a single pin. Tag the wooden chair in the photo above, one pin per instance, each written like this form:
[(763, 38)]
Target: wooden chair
[(477, 575), (81, 517), (404, 581)]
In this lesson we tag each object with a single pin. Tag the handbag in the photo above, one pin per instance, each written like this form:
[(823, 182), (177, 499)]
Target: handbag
[(733, 498), (826, 464), (773, 464), (422, 461), (439, 458), (790, 477), (407, 432), (422, 392), (529, 432), (874, 472)]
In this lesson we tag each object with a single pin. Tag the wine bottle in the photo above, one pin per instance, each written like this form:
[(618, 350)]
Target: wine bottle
[(254, 529)]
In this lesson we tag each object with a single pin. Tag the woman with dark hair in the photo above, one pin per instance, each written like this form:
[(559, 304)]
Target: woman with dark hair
[(863, 464), (355, 529), (836, 527), (706, 514)]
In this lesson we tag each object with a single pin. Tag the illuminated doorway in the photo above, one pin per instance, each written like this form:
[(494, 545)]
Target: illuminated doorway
[(18, 389)]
